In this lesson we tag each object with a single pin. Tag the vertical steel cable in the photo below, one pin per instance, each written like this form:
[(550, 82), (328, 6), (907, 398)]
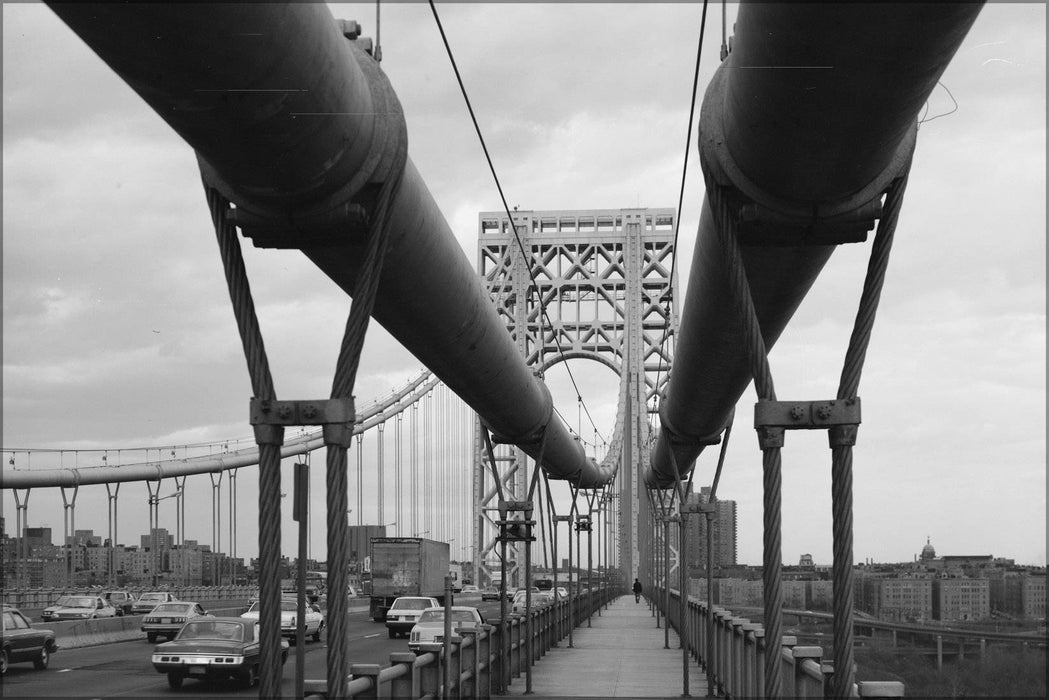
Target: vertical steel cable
[(414, 468), (337, 439), (380, 442), (842, 438), (360, 478), (397, 515), (269, 439), (771, 439)]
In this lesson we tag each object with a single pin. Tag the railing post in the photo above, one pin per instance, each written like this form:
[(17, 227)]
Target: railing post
[(430, 677), (787, 644), (759, 668), (750, 688), (801, 683), (407, 686), (468, 660), (369, 671), (483, 682)]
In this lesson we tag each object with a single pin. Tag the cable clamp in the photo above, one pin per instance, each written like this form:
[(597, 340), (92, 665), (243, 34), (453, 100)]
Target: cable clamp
[(806, 415), (337, 416)]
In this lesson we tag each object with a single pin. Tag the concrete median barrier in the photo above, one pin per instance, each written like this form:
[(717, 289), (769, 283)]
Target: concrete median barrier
[(73, 634)]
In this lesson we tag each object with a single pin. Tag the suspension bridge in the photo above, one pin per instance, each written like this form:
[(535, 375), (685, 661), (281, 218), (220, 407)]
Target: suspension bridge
[(796, 163)]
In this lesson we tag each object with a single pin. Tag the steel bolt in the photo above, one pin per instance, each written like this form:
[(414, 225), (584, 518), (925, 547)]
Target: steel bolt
[(797, 412), (309, 411), (284, 412), (823, 412)]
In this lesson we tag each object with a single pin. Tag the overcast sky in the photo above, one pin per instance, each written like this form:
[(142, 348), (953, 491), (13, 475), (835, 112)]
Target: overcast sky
[(118, 332)]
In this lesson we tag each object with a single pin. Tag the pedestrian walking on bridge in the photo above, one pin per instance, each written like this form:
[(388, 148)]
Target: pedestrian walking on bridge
[(637, 591)]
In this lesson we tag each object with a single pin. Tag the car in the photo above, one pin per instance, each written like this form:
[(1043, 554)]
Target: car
[(78, 607), (22, 642), (539, 599), (212, 649), (405, 612), (490, 593), (470, 589), (147, 601), (289, 609), (167, 619), (121, 600), (428, 633)]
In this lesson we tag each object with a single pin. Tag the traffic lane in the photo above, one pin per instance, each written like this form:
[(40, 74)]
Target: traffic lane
[(124, 669)]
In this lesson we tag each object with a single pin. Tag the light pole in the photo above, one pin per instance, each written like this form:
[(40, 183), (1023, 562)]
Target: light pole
[(154, 515)]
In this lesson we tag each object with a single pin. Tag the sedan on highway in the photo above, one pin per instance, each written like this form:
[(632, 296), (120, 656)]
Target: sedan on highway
[(78, 607), (148, 601), (289, 610), (22, 642), (490, 593), (428, 632), (212, 649), (405, 612), (167, 619)]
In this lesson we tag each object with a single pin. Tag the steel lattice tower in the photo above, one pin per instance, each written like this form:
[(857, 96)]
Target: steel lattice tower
[(604, 277)]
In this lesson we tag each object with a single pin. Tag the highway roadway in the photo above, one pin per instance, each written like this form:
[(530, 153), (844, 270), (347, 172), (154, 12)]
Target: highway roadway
[(124, 669)]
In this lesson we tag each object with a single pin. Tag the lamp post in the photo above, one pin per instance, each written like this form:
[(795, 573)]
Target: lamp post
[(154, 516)]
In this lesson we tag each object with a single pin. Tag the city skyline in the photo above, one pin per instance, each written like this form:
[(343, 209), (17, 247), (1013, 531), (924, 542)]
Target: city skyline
[(118, 330)]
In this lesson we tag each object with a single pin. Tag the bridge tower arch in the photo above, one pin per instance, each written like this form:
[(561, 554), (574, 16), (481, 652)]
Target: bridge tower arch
[(604, 276)]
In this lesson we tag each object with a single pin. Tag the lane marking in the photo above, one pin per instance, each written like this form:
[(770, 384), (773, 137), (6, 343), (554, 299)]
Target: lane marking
[(369, 636)]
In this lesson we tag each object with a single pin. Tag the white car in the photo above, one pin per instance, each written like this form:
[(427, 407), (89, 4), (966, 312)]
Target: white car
[(288, 619), (78, 607), (405, 612), (470, 589), (428, 633)]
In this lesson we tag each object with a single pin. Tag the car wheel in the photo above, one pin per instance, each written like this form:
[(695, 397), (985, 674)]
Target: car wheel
[(317, 634), (151, 637), (3, 662), (393, 633), (175, 680), (40, 662), (251, 678)]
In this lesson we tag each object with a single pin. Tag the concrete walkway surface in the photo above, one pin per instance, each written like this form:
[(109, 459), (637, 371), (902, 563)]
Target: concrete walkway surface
[(620, 656)]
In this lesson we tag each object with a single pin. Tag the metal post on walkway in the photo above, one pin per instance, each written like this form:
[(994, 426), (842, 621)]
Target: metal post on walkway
[(571, 594), (711, 629), (666, 582), (683, 601)]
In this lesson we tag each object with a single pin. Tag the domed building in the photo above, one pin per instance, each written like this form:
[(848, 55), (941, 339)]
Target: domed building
[(928, 553)]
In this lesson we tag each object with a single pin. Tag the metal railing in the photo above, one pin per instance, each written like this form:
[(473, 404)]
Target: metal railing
[(477, 667), (736, 663)]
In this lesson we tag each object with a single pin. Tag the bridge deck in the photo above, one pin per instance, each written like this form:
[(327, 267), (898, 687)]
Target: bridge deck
[(621, 655)]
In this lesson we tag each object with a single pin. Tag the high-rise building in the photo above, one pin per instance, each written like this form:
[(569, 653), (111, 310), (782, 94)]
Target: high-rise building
[(723, 535)]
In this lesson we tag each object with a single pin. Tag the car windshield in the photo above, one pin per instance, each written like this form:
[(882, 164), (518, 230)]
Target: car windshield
[(151, 597), (213, 630), (65, 601), (78, 602), (411, 604), (180, 608), (438, 616)]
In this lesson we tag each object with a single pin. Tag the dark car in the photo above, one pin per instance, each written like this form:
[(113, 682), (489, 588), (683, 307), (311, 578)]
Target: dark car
[(213, 649), (22, 642)]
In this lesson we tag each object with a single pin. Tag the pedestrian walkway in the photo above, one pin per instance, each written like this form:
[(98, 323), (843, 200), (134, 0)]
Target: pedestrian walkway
[(621, 655)]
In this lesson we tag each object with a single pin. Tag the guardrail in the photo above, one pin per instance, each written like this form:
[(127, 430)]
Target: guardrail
[(40, 598), (73, 634), (737, 665), (478, 666)]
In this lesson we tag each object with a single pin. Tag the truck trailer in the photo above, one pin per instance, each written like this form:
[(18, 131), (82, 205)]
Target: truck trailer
[(406, 566)]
